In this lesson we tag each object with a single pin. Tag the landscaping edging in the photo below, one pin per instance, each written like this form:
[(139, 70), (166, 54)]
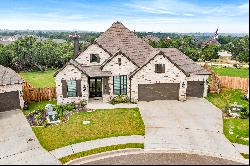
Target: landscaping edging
[(88, 145)]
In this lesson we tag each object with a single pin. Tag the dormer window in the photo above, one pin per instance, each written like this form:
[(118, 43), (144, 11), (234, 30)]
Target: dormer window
[(94, 58), (160, 68)]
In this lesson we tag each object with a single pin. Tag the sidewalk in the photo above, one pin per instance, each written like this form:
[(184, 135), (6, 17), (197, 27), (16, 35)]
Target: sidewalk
[(84, 146), (242, 148)]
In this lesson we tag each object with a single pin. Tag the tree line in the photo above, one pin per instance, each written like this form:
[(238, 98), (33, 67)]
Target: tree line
[(29, 53), (238, 46)]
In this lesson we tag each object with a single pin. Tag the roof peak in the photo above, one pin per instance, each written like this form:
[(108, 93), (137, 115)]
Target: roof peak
[(117, 22)]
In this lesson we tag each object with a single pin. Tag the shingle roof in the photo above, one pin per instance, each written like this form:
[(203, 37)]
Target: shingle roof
[(95, 71), (91, 71), (118, 37), (186, 64), (9, 76)]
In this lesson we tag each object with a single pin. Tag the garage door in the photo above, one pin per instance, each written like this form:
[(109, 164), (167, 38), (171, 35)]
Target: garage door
[(195, 88), (159, 91), (9, 101)]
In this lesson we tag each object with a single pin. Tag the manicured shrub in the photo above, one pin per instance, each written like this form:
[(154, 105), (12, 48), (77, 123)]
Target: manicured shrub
[(119, 99), (244, 113)]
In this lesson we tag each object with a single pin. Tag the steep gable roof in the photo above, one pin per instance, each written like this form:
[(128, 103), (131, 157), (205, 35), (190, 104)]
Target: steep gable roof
[(184, 62), (180, 60), (9, 76), (118, 37), (112, 57)]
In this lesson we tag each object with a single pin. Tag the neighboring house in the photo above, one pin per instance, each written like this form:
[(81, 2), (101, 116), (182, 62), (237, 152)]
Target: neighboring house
[(10, 90), (121, 63)]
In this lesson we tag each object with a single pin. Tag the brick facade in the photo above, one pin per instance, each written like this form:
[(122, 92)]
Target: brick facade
[(147, 75), (125, 68), (84, 57), (71, 73)]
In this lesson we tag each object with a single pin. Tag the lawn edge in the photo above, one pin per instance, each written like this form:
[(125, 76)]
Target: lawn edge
[(67, 159)]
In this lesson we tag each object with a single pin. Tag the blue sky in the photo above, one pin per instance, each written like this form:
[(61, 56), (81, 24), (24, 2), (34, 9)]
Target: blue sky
[(139, 15)]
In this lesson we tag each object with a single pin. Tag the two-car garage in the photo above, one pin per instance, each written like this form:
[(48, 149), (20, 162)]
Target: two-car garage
[(158, 91), (169, 91)]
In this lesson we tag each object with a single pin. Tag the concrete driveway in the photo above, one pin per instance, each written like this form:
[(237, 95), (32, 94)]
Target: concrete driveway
[(192, 126), (18, 144)]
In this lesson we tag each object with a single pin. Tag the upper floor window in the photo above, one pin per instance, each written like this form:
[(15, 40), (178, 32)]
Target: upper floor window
[(94, 58), (160, 68)]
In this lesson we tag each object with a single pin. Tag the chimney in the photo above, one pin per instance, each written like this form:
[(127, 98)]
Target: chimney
[(76, 44), (75, 38)]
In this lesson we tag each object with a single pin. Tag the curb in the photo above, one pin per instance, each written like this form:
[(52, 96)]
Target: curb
[(122, 152)]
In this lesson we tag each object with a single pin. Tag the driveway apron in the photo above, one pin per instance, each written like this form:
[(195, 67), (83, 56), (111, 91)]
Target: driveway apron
[(194, 125)]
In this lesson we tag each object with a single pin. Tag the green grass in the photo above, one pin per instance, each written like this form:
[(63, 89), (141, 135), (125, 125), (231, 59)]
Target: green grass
[(246, 156), (35, 105), (232, 72), (40, 79), (104, 123), (100, 150), (240, 129), (227, 97)]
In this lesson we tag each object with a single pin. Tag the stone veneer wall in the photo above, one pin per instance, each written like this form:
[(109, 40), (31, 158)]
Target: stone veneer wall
[(125, 68), (71, 73), (147, 75), (84, 57), (200, 78), (14, 87)]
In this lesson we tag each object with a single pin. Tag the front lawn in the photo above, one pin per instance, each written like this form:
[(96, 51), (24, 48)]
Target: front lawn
[(239, 130), (227, 97), (232, 72), (104, 123), (35, 105), (40, 79), (236, 130)]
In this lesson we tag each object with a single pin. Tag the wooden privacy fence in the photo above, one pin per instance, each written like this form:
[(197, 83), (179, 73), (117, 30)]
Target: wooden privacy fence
[(234, 82), (31, 94), (217, 82)]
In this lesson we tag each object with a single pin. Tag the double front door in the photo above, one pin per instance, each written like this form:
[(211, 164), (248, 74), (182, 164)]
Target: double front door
[(95, 87)]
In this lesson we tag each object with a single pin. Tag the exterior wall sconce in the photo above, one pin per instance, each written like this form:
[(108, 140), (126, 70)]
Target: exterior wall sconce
[(84, 88), (183, 85)]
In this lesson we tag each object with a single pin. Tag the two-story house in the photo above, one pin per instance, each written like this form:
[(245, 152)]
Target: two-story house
[(121, 63)]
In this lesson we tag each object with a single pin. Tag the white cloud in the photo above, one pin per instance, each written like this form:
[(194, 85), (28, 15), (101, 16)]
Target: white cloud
[(179, 7)]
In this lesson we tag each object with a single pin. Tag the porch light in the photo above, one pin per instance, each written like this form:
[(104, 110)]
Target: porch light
[(183, 84), (84, 88)]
